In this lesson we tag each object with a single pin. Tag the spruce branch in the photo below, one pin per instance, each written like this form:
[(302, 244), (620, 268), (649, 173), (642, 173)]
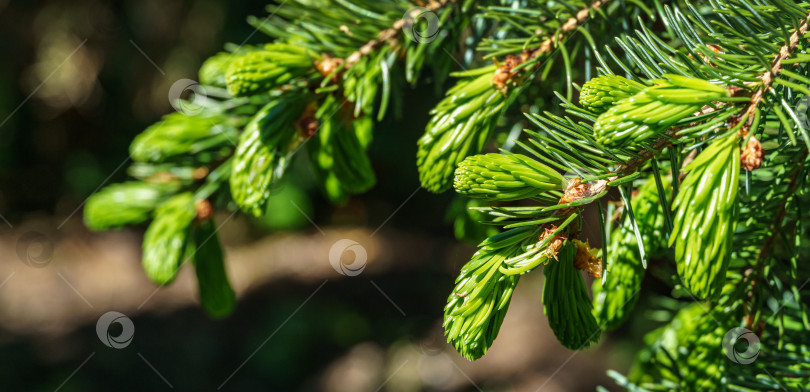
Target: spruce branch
[(316, 83), (746, 115), (766, 79), (754, 274), (687, 100), (708, 79), (582, 17), (464, 121), (385, 36), (770, 75)]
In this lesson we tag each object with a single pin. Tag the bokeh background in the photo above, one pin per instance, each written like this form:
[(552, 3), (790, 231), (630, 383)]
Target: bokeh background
[(78, 80)]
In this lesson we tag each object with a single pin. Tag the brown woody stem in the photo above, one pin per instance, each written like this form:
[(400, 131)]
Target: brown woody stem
[(767, 78), (570, 25), (388, 34)]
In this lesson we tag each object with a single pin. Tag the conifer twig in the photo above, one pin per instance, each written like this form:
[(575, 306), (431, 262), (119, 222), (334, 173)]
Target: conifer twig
[(666, 140), (388, 34), (567, 27), (766, 81), (769, 75)]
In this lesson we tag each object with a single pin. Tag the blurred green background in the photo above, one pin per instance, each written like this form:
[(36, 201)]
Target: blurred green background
[(78, 80)]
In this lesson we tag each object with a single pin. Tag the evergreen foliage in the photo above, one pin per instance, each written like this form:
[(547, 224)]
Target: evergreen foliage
[(702, 112), (332, 68), (696, 105)]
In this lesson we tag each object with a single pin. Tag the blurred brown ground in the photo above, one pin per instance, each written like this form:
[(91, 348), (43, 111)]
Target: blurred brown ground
[(90, 274)]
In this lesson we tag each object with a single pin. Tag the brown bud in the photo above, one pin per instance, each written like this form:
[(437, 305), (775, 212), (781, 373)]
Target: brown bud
[(751, 155), (575, 190), (200, 173), (204, 209), (511, 62), (586, 260), (308, 124), (328, 64), (504, 74), (500, 80), (555, 243)]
